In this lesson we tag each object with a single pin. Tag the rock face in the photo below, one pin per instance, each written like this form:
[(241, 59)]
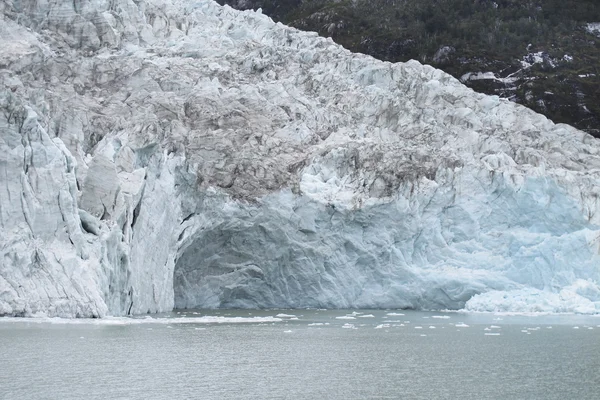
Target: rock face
[(167, 153)]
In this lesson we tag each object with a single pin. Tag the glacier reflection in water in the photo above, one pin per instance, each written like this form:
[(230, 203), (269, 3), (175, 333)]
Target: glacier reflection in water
[(302, 354)]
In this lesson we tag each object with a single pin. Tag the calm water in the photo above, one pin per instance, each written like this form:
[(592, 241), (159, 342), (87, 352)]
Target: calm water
[(376, 355)]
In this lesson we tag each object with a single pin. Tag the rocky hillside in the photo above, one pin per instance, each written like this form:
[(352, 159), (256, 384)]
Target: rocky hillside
[(544, 54)]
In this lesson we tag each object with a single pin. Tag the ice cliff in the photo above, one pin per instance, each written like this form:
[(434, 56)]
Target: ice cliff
[(162, 153)]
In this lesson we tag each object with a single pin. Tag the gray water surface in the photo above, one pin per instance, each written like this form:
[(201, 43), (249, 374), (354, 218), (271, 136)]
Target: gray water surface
[(320, 355)]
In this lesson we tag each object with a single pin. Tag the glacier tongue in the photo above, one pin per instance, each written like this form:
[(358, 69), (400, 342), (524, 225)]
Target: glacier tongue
[(166, 153)]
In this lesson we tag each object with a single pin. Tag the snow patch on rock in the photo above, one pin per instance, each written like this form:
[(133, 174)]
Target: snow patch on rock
[(593, 28)]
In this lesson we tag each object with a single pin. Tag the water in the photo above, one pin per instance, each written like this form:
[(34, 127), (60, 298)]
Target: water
[(317, 356)]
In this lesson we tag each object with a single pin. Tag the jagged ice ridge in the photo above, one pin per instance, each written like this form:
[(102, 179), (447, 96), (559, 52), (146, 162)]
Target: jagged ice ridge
[(165, 153)]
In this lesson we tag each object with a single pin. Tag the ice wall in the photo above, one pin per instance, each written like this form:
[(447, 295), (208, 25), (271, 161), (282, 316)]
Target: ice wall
[(165, 152)]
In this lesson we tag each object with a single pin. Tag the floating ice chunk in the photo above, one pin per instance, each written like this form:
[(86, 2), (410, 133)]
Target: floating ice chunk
[(345, 317), (461, 325), (495, 327), (349, 326), (394, 314), (575, 327), (431, 327), (366, 316), (491, 334), (441, 317), (423, 335), (285, 316), (288, 331), (418, 327)]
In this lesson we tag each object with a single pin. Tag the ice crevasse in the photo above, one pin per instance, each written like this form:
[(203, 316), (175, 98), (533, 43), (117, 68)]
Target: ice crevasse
[(164, 153)]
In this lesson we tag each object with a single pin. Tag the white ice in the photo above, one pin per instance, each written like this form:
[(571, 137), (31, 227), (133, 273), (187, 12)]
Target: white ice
[(179, 153)]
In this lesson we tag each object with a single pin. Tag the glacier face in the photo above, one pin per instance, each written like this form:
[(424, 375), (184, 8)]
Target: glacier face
[(166, 153)]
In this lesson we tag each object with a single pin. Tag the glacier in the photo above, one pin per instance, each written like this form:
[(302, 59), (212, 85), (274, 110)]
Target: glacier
[(169, 153)]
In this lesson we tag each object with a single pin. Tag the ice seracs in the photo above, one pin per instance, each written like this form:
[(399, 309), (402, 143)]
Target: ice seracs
[(167, 153), (581, 297)]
